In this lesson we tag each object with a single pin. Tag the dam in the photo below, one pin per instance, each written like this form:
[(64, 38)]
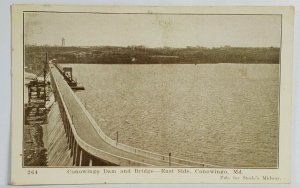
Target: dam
[(88, 144)]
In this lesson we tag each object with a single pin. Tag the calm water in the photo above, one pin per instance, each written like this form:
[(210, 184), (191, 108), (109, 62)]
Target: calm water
[(223, 114)]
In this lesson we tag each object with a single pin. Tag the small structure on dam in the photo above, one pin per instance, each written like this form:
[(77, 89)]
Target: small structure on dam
[(36, 106), (68, 76)]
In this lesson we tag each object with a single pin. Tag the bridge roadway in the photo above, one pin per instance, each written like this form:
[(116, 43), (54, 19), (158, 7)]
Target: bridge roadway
[(88, 133)]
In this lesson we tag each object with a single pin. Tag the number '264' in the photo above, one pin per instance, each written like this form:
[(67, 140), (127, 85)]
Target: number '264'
[(32, 172)]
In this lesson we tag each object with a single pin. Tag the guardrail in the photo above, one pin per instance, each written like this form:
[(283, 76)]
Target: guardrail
[(102, 154)]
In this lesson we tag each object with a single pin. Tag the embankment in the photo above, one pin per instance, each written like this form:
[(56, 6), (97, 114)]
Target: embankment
[(57, 146)]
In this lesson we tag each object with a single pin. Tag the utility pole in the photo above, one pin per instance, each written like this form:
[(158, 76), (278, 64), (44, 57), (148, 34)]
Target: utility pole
[(45, 66)]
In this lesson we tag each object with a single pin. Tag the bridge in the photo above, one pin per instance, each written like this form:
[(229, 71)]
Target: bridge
[(88, 143)]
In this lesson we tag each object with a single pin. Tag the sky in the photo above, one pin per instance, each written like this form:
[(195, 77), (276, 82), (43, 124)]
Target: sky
[(152, 30)]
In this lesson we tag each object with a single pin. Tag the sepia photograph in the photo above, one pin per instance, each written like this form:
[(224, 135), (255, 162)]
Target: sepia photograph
[(152, 89), (143, 89)]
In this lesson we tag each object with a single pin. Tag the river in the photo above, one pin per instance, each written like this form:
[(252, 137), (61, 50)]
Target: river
[(222, 114)]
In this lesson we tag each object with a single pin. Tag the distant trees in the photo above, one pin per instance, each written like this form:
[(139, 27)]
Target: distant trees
[(143, 55)]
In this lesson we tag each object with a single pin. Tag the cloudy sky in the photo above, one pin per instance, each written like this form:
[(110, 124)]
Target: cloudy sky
[(85, 29)]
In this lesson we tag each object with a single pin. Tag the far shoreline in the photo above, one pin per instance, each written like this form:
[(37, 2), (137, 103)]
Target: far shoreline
[(35, 56)]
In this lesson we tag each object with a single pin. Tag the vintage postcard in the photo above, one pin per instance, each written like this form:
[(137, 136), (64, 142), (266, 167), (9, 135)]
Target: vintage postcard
[(104, 94)]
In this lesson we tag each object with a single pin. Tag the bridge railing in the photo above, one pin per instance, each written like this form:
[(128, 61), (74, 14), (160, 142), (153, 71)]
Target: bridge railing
[(174, 160)]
